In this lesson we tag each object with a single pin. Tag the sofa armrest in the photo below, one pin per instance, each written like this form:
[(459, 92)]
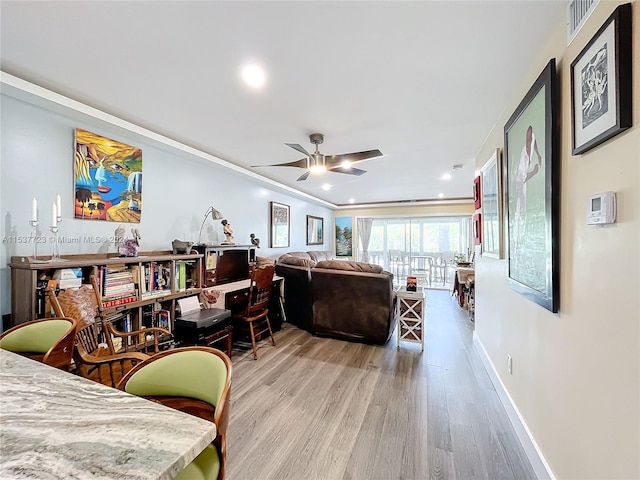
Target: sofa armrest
[(297, 295)]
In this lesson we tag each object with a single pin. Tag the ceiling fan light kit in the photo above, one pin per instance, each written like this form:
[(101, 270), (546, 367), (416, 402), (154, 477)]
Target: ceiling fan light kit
[(317, 163)]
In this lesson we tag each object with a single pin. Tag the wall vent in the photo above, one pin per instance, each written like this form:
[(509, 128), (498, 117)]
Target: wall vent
[(577, 13)]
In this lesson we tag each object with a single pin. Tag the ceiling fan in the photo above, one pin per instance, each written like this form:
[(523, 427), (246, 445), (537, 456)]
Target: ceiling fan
[(317, 162)]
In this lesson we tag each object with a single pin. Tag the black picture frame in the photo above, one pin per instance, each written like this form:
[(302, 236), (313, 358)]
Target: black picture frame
[(492, 207), (315, 230), (532, 196), (601, 84), (280, 225)]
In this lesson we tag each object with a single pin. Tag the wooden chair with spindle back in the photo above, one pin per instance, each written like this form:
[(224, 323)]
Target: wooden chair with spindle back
[(94, 355), (256, 315)]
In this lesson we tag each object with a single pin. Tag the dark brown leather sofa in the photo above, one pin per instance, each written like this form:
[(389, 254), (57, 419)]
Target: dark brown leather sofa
[(346, 300)]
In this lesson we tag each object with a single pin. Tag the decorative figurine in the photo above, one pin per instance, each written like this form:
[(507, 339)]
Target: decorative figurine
[(254, 241), (127, 247), (228, 232), (180, 246)]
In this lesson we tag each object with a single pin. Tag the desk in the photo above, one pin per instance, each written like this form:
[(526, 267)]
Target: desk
[(57, 425), (234, 296)]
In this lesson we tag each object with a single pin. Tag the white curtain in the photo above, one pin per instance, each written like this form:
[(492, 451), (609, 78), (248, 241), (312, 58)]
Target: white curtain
[(364, 234)]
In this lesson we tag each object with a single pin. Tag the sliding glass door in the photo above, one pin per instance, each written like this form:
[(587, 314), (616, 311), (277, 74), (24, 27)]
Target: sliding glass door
[(421, 246)]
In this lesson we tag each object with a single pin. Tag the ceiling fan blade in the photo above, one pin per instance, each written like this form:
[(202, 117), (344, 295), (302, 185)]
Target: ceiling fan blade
[(349, 171), (303, 176), (299, 148), (302, 163), (351, 157)]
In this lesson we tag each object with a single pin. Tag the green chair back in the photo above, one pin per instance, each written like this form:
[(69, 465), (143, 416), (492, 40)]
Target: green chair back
[(194, 374), (38, 337)]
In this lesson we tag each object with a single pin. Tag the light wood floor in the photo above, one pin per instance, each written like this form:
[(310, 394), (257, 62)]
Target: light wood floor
[(316, 408)]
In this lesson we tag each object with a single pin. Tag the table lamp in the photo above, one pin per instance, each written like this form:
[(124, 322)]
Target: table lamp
[(215, 214)]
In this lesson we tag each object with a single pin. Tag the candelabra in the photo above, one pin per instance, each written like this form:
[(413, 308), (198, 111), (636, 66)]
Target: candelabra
[(34, 239), (55, 255)]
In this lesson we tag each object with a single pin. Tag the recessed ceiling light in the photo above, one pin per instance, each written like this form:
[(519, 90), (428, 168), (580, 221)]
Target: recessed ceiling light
[(352, 200), (446, 176), (441, 195), (254, 76), (326, 186)]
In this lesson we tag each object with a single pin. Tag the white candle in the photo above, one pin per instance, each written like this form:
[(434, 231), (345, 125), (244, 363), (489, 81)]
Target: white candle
[(54, 215), (58, 205), (34, 210)]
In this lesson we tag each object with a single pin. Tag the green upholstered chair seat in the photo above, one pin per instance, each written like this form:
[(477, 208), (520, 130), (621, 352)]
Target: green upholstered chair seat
[(181, 375), (206, 466), (36, 338), (197, 381)]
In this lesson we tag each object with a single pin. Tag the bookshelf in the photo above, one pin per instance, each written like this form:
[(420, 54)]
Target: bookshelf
[(136, 291)]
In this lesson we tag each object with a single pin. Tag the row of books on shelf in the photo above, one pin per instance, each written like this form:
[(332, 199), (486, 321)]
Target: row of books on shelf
[(149, 278), (151, 317)]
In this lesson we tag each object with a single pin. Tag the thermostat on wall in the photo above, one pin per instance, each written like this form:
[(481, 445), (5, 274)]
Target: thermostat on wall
[(601, 208)]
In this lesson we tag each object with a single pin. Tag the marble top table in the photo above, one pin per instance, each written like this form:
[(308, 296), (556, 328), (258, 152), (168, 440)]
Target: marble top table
[(57, 425)]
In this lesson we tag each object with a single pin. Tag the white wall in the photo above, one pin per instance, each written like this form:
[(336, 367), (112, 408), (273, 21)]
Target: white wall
[(178, 187), (576, 374)]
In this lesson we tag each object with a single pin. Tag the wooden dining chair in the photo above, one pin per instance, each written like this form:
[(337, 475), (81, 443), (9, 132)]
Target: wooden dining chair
[(93, 354), (195, 380), (49, 341), (256, 316)]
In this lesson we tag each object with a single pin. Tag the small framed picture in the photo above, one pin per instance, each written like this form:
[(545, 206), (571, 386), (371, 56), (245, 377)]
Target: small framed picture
[(315, 230), (279, 225), (477, 195), (601, 84)]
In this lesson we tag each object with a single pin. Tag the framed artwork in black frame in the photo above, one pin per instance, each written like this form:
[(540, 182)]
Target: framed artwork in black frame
[(315, 230), (280, 227), (492, 207), (601, 84), (532, 199), (477, 194)]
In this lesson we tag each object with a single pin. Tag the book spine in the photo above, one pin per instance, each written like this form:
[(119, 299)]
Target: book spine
[(118, 301)]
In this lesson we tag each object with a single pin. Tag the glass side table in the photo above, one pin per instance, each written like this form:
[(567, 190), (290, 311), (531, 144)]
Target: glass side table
[(410, 316)]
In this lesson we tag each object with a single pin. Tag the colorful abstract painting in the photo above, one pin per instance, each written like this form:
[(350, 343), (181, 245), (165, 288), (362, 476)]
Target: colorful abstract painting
[(107, 179)]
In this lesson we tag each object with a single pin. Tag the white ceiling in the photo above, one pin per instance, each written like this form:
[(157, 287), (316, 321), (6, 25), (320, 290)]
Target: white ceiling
[(424, 82)]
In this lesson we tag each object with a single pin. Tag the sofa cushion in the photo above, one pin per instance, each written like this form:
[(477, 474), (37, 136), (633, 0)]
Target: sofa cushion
[(320, 255), (299, 259), (350, 266)]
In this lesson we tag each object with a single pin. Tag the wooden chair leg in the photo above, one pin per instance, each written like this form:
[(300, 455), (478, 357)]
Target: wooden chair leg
[(253, 341), (273, 340)]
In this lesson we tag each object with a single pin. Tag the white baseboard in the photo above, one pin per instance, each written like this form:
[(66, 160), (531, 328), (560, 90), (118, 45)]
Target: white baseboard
[(539, 464)]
